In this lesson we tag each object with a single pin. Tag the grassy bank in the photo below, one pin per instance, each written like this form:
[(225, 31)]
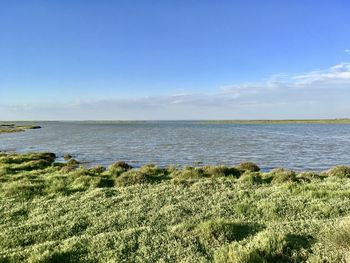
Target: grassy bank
[(10, 128), (52, 212), (316, 121)]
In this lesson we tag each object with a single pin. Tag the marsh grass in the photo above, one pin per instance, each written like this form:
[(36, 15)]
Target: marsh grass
[(249, 177), (248, 166), (63, 212), (340, 171), (11, 128)]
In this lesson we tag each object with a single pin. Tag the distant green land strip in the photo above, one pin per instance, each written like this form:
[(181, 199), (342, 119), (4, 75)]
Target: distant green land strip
[(10, 128), (316, 121)]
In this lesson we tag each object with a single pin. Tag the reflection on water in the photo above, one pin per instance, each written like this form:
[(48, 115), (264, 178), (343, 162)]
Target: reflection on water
[(296, 146)]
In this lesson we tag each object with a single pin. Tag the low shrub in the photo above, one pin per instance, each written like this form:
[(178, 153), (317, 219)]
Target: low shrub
[(187, 175), (280, 175), (72, 162), (251, 178), (121, 164), (133, 177), (221, 170), (104, 182), (340, 171), (97, 169), (68, 168), (117, 168), (307, 176), (152, 170), (248, 166), (46, 156)]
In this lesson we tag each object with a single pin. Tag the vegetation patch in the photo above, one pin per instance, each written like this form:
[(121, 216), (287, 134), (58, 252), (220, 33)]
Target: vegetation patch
[(65, 212), (224, 231), (11, 128), (248, 166), (340, 171), (280, 175), (251, 178)]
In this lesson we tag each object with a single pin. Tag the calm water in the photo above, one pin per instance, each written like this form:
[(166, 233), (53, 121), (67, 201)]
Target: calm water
[(296, 146)]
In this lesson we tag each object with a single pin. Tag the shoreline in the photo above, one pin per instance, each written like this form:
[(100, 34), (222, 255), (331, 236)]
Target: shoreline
[(12, 128), (306, 121), (69, 162), (60, 159)]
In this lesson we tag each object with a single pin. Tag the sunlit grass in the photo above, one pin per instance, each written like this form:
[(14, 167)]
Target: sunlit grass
[(51, 212)]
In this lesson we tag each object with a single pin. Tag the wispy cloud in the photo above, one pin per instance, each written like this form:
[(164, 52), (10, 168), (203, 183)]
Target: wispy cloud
[(338, 76), (347, 51), (319, 93)]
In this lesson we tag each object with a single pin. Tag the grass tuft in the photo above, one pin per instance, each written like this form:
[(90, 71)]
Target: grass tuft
[(340, 171), (248, 166)]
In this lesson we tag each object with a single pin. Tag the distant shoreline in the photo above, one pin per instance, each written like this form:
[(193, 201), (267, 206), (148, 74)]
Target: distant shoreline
[(29, 123), (309, 121), (20, 126), (11, 128)]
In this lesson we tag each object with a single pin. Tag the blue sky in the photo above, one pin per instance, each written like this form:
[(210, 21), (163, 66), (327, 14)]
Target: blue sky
[(174, 59)]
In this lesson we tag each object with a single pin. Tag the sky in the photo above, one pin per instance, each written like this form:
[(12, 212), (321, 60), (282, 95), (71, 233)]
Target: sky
[(169, 60)]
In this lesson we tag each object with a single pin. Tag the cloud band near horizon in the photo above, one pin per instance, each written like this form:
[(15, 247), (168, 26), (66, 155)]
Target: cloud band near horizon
[(315, 94)]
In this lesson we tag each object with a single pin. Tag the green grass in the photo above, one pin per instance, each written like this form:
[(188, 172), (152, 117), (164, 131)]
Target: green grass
[(11, 128), (62, 212)]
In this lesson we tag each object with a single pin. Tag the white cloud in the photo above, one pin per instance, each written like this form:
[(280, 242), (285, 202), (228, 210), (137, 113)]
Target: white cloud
[(338, 76), (347, 51), (319, 93)]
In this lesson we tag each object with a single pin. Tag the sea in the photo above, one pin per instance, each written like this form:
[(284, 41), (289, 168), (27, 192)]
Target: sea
[(313, 147)]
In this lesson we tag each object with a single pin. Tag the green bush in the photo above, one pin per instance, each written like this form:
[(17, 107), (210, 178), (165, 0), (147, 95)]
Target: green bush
[(105, 182), (307, 176), (248, 166), (68, 168), (188, 175), (251, 178), (72, 162), (117, 168), (340, 171), (152, 170), (221, 170), (280, 175), (97, 169), (133, 177), (121, 164)]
